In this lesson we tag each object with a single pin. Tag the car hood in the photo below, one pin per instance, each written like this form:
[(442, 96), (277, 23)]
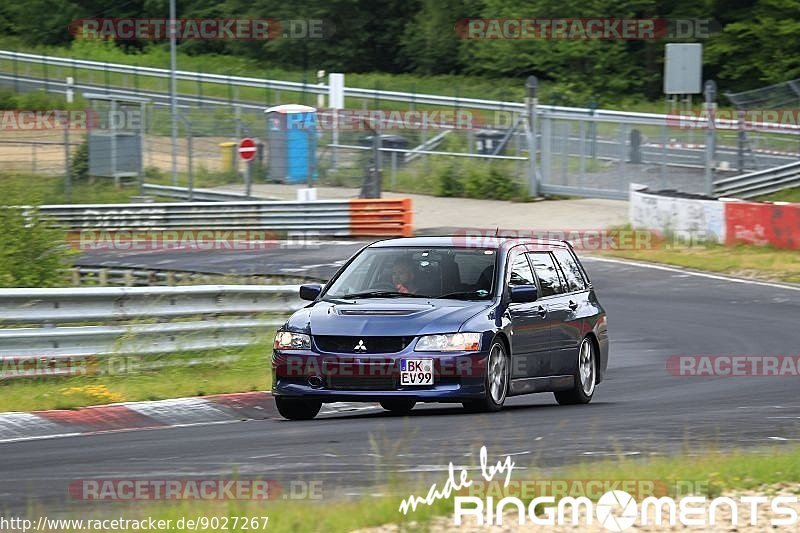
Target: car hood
[(385, 317)]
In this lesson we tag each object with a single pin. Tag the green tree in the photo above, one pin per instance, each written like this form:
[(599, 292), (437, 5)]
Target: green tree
[(760, 47), (430, 44)]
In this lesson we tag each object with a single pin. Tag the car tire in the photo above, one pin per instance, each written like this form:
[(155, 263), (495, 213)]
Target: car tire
[(297, 409), (398, 406), (585, 380), (497, 372)]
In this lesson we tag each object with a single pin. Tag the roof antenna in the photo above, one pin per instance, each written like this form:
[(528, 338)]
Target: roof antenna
[(497, 231)]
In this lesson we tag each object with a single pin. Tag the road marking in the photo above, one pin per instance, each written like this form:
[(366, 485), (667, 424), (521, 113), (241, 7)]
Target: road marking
[(693, 273), (612, 454), (92, 433)]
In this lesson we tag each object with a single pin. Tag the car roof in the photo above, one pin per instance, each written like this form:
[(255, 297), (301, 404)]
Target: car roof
[(467, 241)]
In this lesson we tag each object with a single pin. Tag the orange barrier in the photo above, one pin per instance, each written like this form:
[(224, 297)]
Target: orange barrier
[(763, 223), (380, 216)]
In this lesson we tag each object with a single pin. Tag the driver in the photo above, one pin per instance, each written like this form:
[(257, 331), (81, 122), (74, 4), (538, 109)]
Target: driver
[(403, 274)]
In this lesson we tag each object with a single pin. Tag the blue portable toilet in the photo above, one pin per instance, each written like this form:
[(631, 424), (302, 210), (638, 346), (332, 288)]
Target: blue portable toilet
[(292, 140)]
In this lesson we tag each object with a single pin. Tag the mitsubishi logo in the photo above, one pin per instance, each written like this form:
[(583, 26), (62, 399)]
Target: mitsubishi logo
[(360, 346)]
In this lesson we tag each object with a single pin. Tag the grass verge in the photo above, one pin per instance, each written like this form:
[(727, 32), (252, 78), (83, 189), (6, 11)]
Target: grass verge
[(758, 262), (787, 195), (50, 190), (711, 473), (237, 370)]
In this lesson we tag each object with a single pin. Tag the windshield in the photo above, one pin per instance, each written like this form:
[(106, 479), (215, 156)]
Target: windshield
[(458, 273)]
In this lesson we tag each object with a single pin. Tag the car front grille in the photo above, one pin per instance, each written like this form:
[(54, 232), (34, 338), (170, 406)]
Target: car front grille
[(366, 345), (361, 383)]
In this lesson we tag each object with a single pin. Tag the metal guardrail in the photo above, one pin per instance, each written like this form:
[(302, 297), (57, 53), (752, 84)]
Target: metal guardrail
[(142, 339), (345, 218), (759, 183), (316, 88), (211, 316), (326, 217), (100, 304), (93, 276), (197, 195)]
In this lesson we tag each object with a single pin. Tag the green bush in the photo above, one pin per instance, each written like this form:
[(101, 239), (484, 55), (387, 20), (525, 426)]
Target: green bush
[(447, 181), (488, 181), (38, 100), (79, 163), (32, 254)]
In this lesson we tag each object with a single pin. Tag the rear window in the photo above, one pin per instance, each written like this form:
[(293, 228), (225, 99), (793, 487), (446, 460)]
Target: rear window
[(546, 272), (571, 270)]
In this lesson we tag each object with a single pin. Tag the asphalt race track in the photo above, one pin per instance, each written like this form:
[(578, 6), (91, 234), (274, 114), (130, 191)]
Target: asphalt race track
[(312, 259), (639, 410)]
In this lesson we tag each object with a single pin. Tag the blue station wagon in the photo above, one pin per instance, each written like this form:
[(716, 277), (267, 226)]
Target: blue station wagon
[(444, 319)]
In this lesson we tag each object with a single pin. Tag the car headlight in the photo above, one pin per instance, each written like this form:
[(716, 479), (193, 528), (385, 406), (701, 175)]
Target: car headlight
[(450, 342), (288, 340)]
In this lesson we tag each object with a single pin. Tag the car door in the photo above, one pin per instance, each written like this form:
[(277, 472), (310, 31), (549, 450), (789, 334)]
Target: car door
[(569, 311), (530, 323), (550, 288)]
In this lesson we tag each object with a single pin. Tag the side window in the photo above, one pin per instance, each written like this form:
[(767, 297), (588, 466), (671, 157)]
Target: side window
[(547, 272), (571, 269), (521, 272)]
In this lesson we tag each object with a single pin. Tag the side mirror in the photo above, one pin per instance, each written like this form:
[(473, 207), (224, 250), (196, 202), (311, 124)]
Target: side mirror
[(310, 291), (524, 293)]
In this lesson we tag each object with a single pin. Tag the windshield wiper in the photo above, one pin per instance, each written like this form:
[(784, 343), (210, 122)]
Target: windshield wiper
[(380, 294), (465, 294)]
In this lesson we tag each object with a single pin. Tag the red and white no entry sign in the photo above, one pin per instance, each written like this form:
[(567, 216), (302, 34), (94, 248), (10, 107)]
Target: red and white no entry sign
[(247, 149)]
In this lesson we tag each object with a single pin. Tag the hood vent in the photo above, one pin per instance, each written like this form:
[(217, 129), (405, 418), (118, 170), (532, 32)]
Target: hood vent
[(379, 312)]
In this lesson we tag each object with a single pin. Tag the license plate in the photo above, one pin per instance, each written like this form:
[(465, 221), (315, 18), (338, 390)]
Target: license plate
[(416, 372)]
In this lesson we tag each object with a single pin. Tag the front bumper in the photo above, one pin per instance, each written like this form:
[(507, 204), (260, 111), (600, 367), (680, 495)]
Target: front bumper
[(458, 376)]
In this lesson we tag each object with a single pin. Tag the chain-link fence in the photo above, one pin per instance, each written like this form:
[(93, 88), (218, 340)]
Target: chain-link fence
[(414, 142)]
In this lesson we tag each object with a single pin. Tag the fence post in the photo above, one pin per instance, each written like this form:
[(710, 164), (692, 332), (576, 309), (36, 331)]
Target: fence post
[(67, 169), (710, 93), (15, 69), (191, 173), (531, 85), (741, 139), (394, 171), (547, 147), (46, 75)]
